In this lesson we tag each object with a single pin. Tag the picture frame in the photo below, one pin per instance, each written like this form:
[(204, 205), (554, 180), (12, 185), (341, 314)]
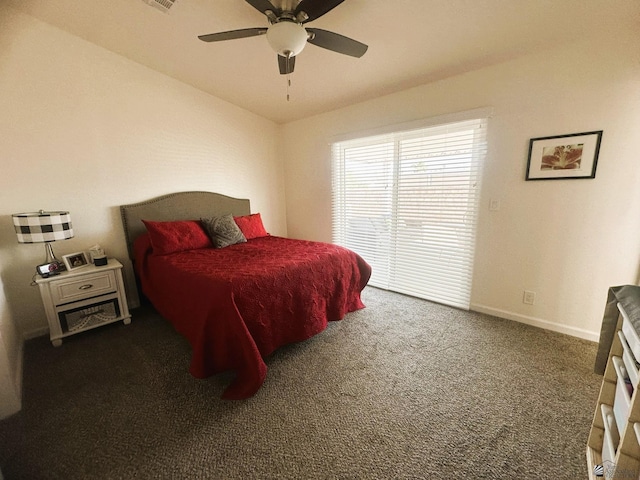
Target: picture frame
[(563, 157), (76, 260)]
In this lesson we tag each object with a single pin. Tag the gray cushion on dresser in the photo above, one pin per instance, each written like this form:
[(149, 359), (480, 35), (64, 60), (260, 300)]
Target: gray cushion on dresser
[(629, 298)]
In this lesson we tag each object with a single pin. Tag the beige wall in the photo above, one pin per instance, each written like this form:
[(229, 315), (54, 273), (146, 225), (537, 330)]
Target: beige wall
[(568, 240), (86, 130)]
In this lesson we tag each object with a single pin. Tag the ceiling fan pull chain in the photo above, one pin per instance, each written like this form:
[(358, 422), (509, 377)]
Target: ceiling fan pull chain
[(288, 73)]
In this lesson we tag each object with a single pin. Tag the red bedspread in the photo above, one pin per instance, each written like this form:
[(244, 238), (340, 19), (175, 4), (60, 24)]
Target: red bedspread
[(238, 304)]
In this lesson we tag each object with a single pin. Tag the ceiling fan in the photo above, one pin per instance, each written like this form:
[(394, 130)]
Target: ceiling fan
[(287, 35)]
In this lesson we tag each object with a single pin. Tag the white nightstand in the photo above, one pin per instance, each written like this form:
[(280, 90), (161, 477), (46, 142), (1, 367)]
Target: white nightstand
[(83, 299)]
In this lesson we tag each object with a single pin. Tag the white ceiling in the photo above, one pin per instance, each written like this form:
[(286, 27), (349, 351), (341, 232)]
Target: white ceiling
[(411, 42)]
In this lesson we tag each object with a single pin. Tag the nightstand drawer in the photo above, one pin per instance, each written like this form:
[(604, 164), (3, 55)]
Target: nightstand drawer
[(71, 290)]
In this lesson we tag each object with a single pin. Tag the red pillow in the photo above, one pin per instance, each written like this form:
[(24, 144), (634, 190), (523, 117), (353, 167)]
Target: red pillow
[(251, 226), (171, 237)]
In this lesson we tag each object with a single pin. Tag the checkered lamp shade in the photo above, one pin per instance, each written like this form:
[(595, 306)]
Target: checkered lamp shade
[(36, 227)]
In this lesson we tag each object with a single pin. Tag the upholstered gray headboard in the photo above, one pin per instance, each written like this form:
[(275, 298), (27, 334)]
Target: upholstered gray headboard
[(177, 206)]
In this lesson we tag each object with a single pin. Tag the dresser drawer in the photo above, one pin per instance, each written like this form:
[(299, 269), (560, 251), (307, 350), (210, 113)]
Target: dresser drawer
[(72, 290)]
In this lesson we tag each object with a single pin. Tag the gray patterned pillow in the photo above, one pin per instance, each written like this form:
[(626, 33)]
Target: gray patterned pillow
[(223, 231)]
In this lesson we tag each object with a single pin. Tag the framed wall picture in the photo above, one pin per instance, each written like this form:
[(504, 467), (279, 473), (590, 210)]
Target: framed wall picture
[(75, 260), (564, 156)]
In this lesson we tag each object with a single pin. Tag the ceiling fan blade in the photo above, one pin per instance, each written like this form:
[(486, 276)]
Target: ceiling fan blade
[(233, 34), (286, 64), (315, 8), (335, 42), (264, 5)]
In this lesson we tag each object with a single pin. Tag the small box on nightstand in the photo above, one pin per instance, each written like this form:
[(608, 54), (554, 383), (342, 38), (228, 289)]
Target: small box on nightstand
[(100, 261)]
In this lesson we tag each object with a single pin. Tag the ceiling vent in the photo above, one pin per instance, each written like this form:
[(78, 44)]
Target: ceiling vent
[(162, 5)]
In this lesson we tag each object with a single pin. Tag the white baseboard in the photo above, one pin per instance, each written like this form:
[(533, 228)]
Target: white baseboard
[(38, 332), (537, 322)]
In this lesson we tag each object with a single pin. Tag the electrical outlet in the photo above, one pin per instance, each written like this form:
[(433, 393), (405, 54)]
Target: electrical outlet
[(529, 297), (494, 205)]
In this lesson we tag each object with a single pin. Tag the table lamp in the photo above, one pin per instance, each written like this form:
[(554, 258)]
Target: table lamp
[(44, 227)]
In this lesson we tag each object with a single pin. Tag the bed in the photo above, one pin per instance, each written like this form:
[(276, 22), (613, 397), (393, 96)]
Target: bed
[(236, 304)]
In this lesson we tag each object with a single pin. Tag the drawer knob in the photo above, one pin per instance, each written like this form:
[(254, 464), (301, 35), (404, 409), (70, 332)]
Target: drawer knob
[(85, 287)]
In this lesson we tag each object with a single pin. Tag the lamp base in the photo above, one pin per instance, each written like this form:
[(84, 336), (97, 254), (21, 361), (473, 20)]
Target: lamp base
[(51, 260), (50, 256)]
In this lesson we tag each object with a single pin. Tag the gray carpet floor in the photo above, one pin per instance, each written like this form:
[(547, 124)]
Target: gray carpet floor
[(401, 389)]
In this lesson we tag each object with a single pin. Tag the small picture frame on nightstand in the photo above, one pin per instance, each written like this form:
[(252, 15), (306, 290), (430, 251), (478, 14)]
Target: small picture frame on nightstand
[(76, 260)]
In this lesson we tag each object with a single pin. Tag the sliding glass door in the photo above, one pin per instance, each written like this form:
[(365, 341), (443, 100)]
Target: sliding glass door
[(408, 202)]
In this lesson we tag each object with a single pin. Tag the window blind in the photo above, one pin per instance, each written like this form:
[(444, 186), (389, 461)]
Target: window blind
[(407, 202)]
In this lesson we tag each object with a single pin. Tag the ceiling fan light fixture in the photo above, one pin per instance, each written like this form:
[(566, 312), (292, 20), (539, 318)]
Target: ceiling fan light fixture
[(287, 38)]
